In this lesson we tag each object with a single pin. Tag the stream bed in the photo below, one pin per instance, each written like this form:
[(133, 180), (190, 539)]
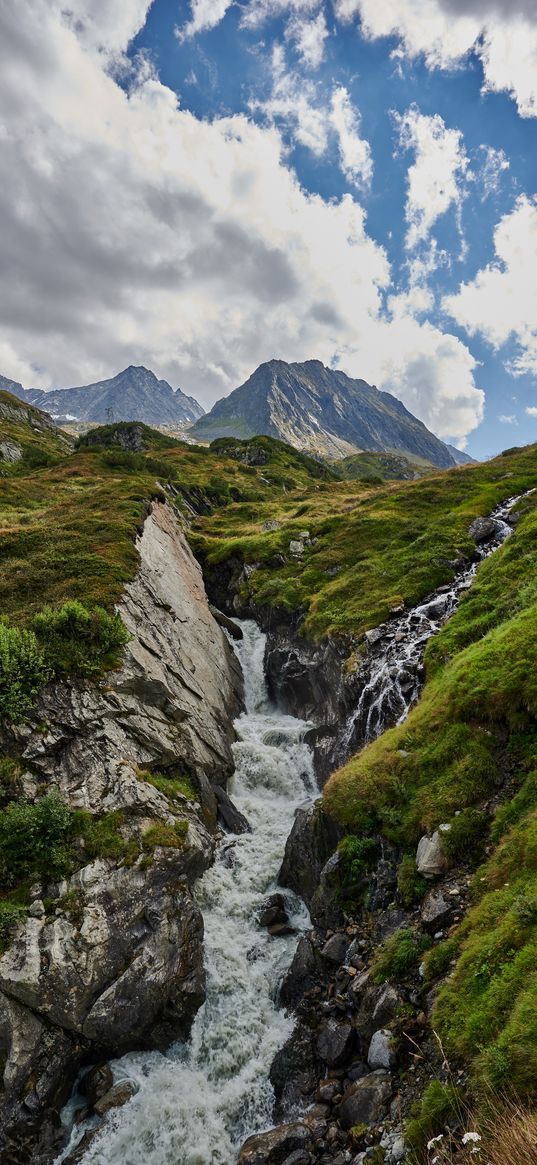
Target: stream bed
[(196, 1104)]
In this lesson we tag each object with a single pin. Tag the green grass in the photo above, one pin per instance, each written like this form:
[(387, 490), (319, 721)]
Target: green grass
[(41, 446), (372, 547), (378, 467)]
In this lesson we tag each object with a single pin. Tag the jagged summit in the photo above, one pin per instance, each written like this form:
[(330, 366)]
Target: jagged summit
[(323, 411), (135, 394)]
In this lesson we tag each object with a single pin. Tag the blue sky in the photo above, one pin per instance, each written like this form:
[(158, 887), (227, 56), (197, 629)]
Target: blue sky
[(217, 183)]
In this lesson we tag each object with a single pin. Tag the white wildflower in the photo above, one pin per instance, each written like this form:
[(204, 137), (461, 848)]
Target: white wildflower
[(435, 1141), (471, 1137)]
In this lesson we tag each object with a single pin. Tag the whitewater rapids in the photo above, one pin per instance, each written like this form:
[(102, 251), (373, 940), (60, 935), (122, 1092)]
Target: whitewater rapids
[(196, 1104)]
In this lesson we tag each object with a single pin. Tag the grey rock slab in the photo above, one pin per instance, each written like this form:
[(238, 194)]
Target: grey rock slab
[(365, 1101), (431, 860), (335, 1041), (381, 1053)]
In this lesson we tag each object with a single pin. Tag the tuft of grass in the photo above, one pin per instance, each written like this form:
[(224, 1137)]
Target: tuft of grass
[(162, 834), (171, 786), (438, 1104), (412, 886), (399, 954)]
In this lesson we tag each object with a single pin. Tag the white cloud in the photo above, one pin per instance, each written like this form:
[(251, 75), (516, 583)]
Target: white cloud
[(435, 180), (495, 163), (133, 232), (444, 32), (309, 37), (531, 411), (499, 303), (256, 12), (507, 420), (354, 151), (204, 15), (293, 102)]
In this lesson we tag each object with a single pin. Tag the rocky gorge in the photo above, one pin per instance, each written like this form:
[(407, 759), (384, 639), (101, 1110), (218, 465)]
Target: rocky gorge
[(231, 968)]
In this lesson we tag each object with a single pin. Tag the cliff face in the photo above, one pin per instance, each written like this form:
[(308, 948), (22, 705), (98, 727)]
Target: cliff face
[(111, 958)]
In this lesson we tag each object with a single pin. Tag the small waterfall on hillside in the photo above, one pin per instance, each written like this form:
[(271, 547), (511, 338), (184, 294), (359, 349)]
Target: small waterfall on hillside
[(197, 1104), (391, 679)]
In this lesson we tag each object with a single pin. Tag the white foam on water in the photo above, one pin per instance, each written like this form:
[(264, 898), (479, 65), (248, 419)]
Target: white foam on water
[(197, 1104)]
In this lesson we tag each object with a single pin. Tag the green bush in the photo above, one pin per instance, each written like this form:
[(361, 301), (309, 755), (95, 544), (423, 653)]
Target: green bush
[(467, 830), (34, 840), (79, 641), (355, 857), (23, 672), (412, 886), (399, 954)]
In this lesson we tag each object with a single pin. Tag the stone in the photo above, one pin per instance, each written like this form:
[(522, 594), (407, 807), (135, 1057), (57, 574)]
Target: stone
[(10, 451), (296, 548), (366, 1101), (381, 1053), (37, 909), (97, 1082), (116, 1096), (268, 527), (336, 948), (435, 911), (272, 1147), (228, 624), (483, 529), (374, 636), (431, 860), (302, 974), (233, 819), (397, 1150), (273, 911), (311, 842), (335, 1042)]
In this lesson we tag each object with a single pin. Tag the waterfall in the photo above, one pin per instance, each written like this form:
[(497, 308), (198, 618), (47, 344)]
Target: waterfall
[(198, 1103), (391, 679)]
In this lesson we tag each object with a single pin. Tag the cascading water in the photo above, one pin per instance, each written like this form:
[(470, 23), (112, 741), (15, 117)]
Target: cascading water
[(392, 677), (197, 1104)]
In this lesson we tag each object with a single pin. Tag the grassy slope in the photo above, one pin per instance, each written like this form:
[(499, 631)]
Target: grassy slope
[(378, 467), (40, 445), (474, 730), (372, 547)]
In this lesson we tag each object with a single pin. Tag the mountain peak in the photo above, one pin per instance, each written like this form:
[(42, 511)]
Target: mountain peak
[(321, 411), (135, 394)]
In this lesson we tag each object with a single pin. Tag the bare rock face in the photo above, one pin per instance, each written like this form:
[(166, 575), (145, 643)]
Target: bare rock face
[(116, 962)]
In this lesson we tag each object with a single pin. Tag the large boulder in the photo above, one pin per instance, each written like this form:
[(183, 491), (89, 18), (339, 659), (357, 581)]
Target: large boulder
[(366, 1101), (312, 840), (431, 858), (274, 1146), (335, 1042)]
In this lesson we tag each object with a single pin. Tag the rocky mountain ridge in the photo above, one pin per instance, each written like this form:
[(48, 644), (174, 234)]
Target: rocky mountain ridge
[(135, 394), (322, 411)]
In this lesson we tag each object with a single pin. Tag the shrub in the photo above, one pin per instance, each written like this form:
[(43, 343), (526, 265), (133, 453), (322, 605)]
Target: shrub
[(412, 886), (34, 839), (467, 829), (399, 954), (22, 672), (80, 641), (355, 857), (161, 834)]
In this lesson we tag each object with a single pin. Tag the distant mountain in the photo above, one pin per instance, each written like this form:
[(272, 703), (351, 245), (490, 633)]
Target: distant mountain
[(133, 395), (321, 411), (459, 457)]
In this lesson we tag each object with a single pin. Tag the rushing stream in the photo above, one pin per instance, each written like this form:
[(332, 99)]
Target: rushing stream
[(198, 1103), (392, 678)]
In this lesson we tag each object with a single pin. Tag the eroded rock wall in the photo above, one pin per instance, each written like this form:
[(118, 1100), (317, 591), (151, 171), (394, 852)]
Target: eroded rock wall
[(111, 959)]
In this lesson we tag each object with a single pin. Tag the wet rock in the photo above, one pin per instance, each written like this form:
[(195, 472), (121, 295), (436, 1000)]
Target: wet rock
[(272, 1147), (381, 1053), (313, 839), (435, 911), (375, 636), (273, 911), (483, 529), (366, 1101), (295, 1071), (116, 1096), (299, 1157), (232, 818), (335, 1042), (280, 929), (97, 1082), (325, 907), (302, 974), (336, 948), (228, 624), (431, 860)]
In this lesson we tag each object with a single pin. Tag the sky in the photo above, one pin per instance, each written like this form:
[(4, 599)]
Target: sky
[(202, 185)]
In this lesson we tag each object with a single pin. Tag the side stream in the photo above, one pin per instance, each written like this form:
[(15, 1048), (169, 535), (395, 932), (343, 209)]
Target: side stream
[(198, 1103)]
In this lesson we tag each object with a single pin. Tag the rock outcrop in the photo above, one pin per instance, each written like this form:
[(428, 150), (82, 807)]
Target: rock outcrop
[(111, 958)]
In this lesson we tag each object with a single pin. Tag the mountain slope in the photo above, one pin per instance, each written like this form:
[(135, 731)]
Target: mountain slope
[(28, 437), (135, 394), (321, 410)]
